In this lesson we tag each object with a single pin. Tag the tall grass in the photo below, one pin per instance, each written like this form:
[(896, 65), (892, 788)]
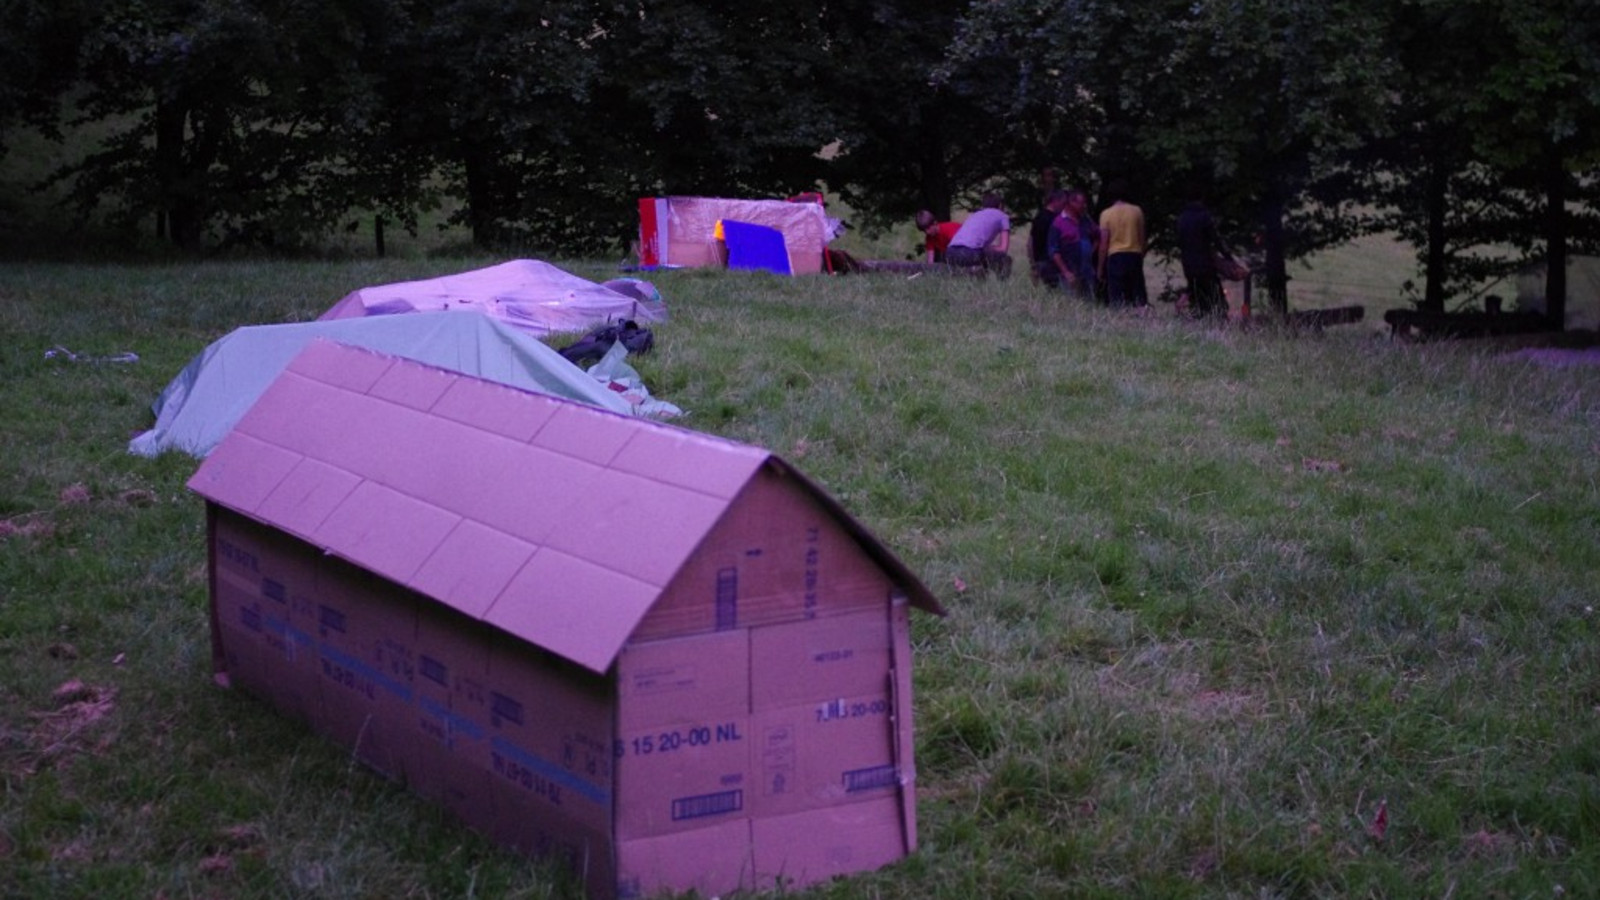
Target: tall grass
[(1218, 596)]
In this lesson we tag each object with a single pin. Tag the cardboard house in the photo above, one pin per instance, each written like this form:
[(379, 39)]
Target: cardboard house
[(667, 658), (679, 231)]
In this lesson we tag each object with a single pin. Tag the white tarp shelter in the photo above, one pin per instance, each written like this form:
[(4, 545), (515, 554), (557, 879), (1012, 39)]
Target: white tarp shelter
[(530, 294), (204, 401)]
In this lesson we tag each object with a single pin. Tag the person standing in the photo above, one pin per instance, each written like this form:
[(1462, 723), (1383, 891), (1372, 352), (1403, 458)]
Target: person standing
[(1044, 269), (1122, 246), (1199, 248), (1074, 238), (984, 240)]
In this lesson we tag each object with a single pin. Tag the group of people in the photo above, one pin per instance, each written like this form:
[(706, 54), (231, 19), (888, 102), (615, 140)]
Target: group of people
[(981, 243), (1093, 259), (1096, 259)]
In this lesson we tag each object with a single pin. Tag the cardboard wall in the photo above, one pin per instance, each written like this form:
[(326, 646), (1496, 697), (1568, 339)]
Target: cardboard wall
[(752, 741), (775, 556), (770, 749)]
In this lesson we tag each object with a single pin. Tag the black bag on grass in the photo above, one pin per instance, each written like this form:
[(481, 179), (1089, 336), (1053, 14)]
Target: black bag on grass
[(599, 341)]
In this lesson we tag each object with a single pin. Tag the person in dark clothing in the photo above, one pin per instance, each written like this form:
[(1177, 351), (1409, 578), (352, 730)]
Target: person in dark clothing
[(1199, 246), (1043, 267)]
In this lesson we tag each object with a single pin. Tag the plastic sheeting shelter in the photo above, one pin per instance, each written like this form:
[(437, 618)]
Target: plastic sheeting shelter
[(679, 231), (532, 295), (215, 389)]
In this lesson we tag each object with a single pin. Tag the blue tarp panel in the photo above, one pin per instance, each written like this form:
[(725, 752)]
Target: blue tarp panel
[(215, 389), (756, 247)]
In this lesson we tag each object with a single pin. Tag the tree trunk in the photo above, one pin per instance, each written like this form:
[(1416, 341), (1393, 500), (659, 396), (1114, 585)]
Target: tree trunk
[(1555, 235), (479, 171), (169, 124), (1277, 271), (937, 192), (1435, 265)]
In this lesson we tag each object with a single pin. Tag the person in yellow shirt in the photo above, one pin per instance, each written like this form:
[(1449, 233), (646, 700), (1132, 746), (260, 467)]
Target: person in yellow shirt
[(1121, 252)]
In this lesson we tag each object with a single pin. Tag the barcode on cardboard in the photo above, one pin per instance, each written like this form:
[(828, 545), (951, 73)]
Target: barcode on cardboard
[(727, 598), (330, 618), (707, 805), (503, 708), (869, 779), (433, 670)]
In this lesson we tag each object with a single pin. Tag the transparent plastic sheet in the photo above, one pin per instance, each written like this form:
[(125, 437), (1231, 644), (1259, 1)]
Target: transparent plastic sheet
[(613, 372)]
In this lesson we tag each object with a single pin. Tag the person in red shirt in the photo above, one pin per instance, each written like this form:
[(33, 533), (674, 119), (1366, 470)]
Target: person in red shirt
[(938, 234)]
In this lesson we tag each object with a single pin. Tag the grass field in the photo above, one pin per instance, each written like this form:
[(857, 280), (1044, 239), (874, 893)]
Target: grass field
[(1233, 612)]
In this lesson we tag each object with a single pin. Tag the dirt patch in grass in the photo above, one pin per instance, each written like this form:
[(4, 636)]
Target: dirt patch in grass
[(75, 726)]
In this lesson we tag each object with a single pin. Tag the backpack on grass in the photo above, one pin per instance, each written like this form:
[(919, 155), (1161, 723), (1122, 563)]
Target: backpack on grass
[(592, 346)]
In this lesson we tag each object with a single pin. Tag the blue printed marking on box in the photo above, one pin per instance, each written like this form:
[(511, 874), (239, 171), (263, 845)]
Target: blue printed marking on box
[(717, 804)]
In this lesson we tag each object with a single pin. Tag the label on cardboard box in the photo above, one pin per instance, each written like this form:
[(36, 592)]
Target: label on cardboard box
[(682, 776), (824, 753), (679, 680)]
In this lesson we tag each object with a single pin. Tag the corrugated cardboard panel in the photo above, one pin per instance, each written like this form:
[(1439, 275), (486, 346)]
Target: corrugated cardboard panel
[(585, 433), (575, 608), (824, 753), (453, 466), (680, 776), (471, 567), (776, 555), (544, 494), (261, 578), (292, 401), (805, 848), (366, 635), (451, 744), (384, 530), (683, 679), (905, 739), (683, 750), (639, 527), (302, 500), (486, 405), (714, 861), (332, 364), (244, 476), (689, 460), (843, 655), (418, 387), (551, 736)]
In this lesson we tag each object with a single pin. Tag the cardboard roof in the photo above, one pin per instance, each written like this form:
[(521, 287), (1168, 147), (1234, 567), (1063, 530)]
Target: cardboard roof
[(555, 521)]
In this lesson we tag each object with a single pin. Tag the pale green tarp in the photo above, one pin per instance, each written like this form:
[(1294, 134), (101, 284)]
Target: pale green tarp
[(216, 388)]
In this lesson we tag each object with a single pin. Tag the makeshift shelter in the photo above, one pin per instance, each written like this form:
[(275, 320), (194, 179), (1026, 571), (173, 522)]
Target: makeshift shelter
[(205, 399), (532, 295), (668, 659), (679, 231)]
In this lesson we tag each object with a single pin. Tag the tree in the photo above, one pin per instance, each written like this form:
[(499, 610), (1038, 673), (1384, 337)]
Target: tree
[(1256, 98), (1535, 114), (221, 112)]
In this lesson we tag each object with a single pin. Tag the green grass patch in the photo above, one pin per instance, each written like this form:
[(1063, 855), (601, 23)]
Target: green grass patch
[(1216, 595)]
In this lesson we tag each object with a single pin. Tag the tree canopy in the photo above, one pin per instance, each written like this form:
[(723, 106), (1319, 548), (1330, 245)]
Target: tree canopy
[(1470, 128)]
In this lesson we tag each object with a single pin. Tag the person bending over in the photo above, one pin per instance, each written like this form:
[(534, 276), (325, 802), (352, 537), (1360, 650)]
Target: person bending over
[(984, 241)]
